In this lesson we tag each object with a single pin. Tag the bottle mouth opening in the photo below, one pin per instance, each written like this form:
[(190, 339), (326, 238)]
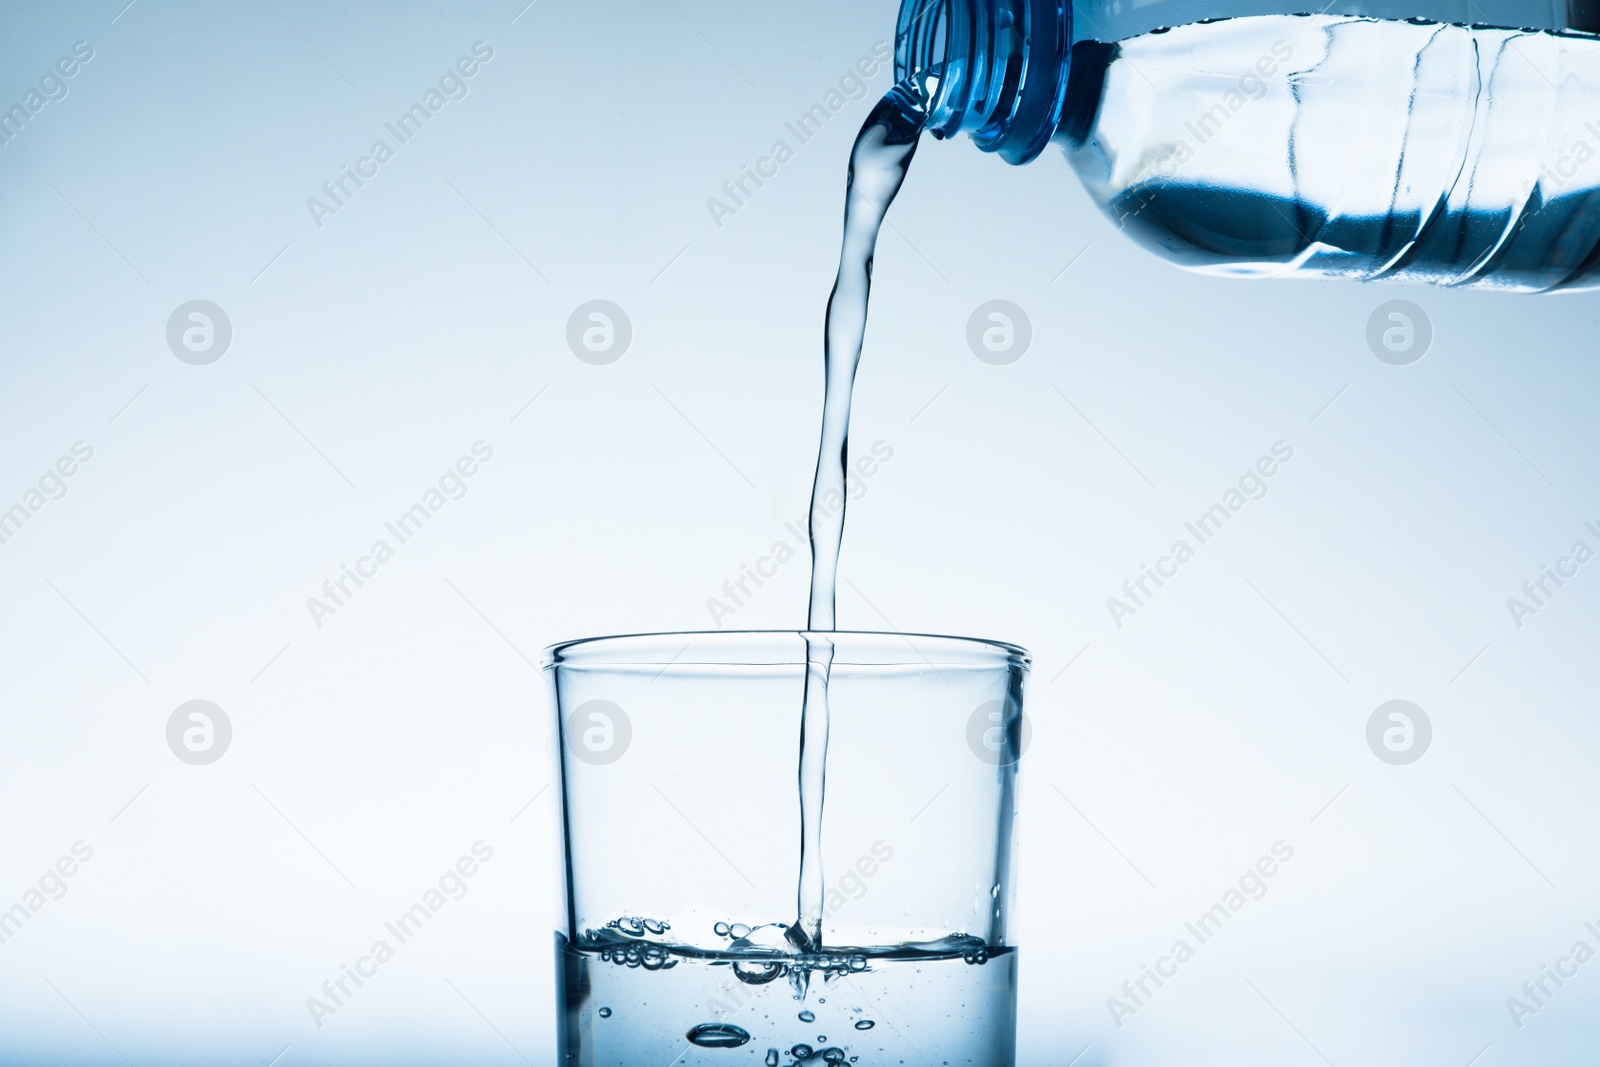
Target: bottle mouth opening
[(994, 68)]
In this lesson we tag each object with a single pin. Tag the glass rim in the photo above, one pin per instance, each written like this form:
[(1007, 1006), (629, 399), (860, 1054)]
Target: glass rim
[(767, 648)]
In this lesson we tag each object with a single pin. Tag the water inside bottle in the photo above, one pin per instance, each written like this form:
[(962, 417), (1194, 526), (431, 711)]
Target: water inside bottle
[(1295, 145)]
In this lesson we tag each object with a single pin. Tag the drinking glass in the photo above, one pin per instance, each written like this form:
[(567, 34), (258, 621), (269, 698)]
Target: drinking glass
[(679, 942)]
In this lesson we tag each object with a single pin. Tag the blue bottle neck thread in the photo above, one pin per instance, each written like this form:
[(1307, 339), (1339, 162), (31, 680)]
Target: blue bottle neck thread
[(996, 69)]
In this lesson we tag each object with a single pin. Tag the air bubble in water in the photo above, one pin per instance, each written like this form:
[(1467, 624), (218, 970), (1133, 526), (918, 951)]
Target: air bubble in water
[(605, 1013), (808, 1016), (865, 1024), (801, 1052), (772, 1057), (718, 1035), (757, 972), (721, 929), (738, 930), (833, 1055)]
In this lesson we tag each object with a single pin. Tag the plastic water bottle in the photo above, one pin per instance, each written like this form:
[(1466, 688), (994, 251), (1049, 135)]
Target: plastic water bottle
[(1448, 141)]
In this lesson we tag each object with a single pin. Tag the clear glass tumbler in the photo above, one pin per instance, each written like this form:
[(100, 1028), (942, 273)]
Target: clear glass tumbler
[(681, 831)]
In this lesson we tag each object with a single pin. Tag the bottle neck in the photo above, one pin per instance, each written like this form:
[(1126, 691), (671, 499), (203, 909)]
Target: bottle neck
[(996, 69)]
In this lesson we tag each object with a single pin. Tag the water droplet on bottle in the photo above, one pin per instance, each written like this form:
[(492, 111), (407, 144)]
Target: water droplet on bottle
[(605, 1013), (865, 1024), (718, 1035), (808, 1016)]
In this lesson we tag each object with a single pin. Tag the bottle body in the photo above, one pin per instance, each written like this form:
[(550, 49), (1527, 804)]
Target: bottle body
[(1343, 145)]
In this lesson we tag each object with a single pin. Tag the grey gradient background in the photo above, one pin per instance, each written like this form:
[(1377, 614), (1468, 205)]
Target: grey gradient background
[(368, 354)]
